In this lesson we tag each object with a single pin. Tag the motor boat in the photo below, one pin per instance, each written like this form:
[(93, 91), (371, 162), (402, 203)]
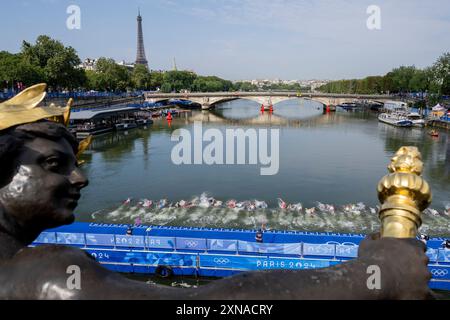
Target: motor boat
[(416, 118), (395, 119)]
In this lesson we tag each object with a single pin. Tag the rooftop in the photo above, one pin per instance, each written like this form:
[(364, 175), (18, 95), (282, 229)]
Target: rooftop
[(93, 113)]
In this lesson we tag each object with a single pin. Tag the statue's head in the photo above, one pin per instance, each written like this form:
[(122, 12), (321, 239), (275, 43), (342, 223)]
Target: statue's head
[(40, 180)]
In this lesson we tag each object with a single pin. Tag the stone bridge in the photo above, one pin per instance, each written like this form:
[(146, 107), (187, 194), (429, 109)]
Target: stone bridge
[(209, 100)]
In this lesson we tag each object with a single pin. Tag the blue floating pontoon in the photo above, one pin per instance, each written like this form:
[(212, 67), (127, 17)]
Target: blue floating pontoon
[(220, 252)]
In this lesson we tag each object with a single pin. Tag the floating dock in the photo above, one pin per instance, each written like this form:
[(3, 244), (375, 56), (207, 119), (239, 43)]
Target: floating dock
[(210, 252)]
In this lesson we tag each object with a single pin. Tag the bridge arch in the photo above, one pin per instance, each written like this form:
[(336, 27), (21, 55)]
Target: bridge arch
[(261, 100)]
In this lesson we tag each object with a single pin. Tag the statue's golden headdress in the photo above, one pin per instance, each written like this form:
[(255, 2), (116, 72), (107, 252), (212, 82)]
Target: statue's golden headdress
[(24, 108)]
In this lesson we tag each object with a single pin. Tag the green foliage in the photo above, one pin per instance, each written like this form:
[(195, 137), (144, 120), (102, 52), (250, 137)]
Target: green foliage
[(14, 68), (140, 77), (435, 80), (245, 86), (179, 80), (211, 84), (57, 63), (109, 76), (440, 74), (156, 80)]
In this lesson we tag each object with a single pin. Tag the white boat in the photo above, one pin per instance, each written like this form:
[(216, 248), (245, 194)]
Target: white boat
[(395, 106), (416, 119), (395, 119)]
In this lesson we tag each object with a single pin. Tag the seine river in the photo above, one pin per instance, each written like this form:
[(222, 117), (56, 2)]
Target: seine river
[(325, 160)]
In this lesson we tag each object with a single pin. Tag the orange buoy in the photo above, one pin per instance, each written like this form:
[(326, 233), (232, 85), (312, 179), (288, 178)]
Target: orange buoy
[(169, 116), (262, 108), (328, 108), (271, 108)]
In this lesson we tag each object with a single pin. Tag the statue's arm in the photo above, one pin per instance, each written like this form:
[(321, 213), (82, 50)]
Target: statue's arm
[(403, 275), (43, 274)]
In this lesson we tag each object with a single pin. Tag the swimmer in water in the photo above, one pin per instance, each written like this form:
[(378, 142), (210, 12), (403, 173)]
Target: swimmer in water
[(231, 204), (281, 204), (147, 204), (260, 204), (162, 203), (330, 208), (295, 207)]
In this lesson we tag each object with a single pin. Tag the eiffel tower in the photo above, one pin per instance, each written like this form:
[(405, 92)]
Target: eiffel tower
[(140, 57)]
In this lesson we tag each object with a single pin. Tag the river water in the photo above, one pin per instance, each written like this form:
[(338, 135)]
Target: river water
[(331, 159)]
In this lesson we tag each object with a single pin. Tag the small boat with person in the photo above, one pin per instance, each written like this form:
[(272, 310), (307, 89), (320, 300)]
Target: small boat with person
[(434, 133)]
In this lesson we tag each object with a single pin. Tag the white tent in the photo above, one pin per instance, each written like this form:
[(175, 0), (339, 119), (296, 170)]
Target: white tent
[(438, 107)]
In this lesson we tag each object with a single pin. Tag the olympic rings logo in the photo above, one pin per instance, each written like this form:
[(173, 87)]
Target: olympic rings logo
[(191, 244), (221, 260), (439, 272)]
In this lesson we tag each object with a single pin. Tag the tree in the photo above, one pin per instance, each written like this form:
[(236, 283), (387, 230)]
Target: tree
[(141, 77), (419, 81), (166, 87), (441, 74), (58, 64), (179, 80), (211, 84), (245, 86), (111, 76), (156, 80), (14, 69), (401, 78)]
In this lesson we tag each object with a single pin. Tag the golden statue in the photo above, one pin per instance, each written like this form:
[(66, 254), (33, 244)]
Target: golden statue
[(24, 108)]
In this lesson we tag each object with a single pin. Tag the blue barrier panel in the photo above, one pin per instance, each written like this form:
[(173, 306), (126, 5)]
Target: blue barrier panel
[(160, 242), (290, 248), (129, 241), (346, 251), (222, 245), (145, 258), (440, 272), (259, 263), (106, 255), (432, 254), (46, 237), (310, 249), (191, 244), (274, 248), (70, 238), (106, 240), (444, 255)]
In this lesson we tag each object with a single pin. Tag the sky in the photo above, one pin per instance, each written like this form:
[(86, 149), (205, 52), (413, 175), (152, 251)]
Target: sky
[(243, 39)]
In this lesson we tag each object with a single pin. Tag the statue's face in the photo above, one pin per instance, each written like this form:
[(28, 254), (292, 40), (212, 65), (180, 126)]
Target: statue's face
[(45, 188)]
